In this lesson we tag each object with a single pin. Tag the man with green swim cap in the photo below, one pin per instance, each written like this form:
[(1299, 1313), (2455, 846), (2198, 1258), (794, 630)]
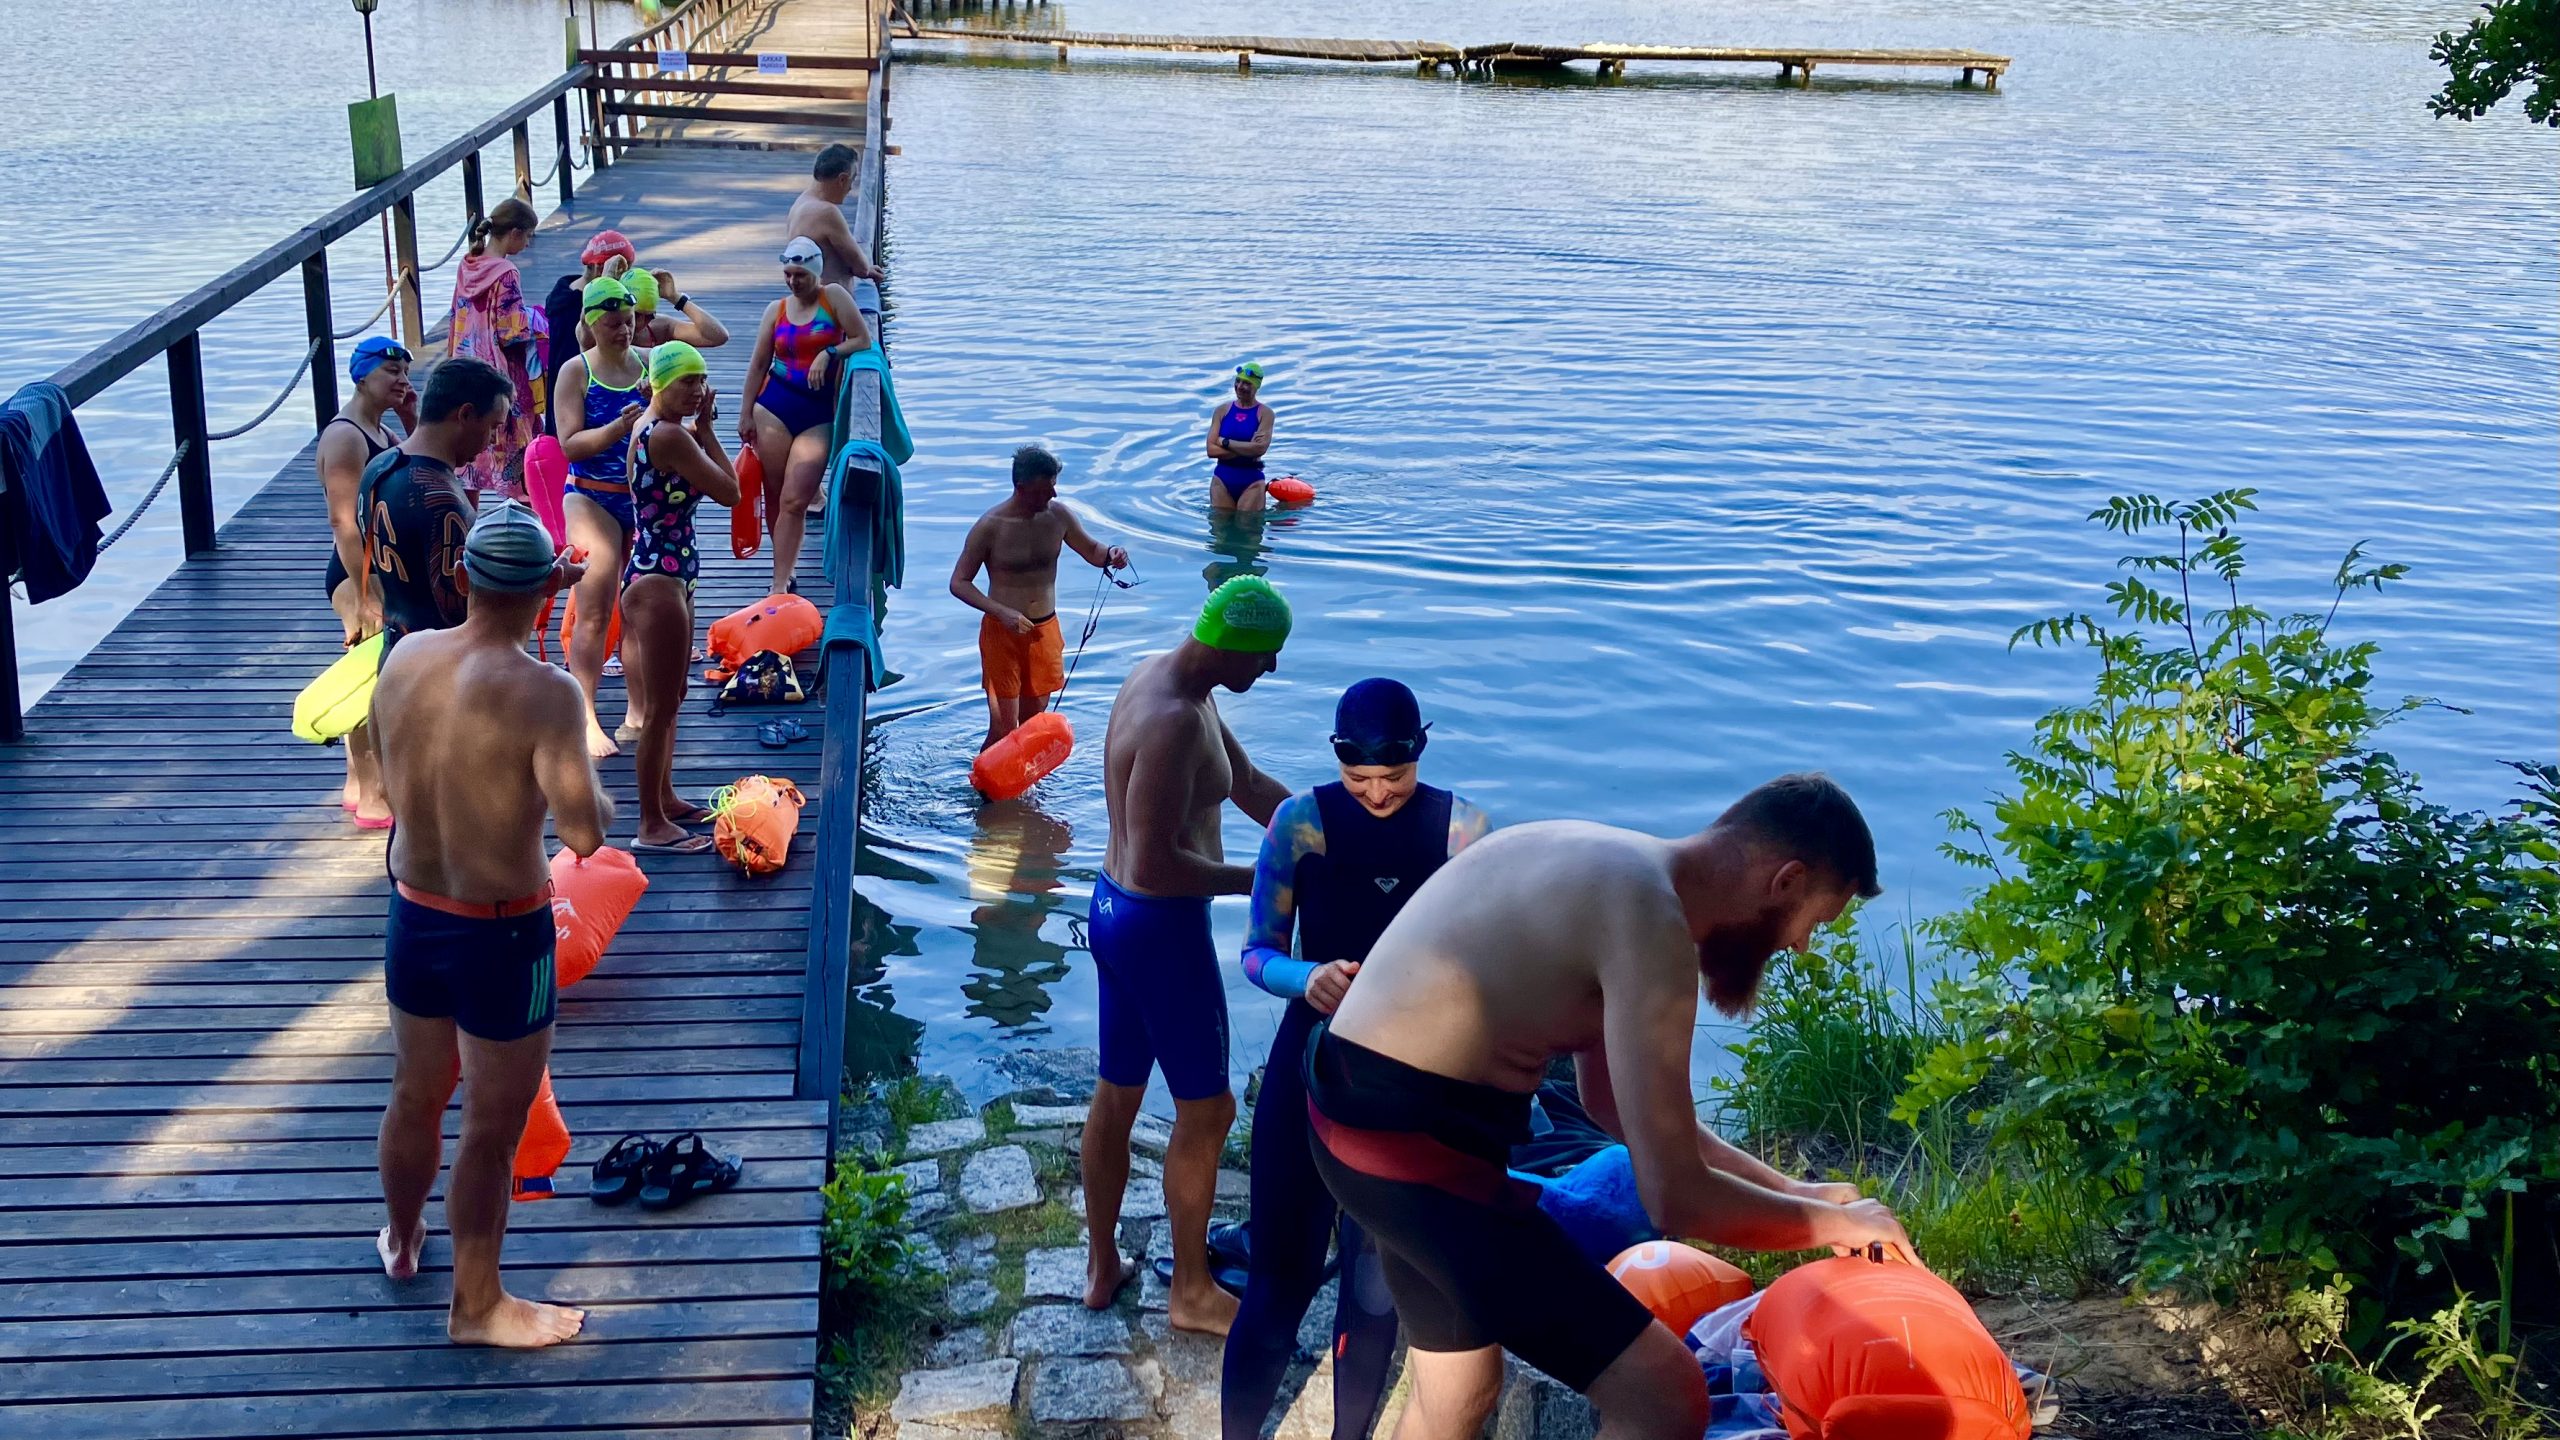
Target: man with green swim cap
[(1169, 766)]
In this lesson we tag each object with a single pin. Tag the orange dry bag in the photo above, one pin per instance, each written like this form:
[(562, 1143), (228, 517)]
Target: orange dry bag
[(783, 624), (1024, 758), (544, 1146), (1678, 1283), (753, 822), (1863, 1350), (746, 518), (1290, 490), (590, 899)]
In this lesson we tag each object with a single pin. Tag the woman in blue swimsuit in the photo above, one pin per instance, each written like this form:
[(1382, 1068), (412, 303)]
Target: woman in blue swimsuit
[(596, 402), (675, 461), (1239, 433)]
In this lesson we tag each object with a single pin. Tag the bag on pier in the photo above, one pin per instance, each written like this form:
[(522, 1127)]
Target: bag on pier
[(753, 822), (784, 624), (340, 699), (590, 899), (1861, 1349), (544, 1146)]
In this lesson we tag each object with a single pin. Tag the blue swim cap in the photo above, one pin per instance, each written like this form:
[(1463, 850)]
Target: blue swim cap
[(1379, 720), (371, 354)]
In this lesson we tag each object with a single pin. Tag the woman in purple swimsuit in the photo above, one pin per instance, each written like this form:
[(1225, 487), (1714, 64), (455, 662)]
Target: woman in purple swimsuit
[(1239, 433), (801, 348)]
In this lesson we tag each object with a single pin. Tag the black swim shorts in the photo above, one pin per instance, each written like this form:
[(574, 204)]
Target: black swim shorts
[(491, 977), (1419, 1160)]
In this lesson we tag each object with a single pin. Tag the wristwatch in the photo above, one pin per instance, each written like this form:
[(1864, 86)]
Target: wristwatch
[(683, 300)]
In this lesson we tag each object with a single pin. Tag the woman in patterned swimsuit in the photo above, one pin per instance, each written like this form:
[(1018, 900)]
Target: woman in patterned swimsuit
[(675, 461)]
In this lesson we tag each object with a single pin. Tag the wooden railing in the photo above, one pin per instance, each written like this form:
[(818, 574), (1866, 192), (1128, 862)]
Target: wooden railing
[(845, 669), (629, 89)]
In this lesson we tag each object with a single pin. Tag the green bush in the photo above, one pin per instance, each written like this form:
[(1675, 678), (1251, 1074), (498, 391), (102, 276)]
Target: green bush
[(864, 1234), (2233, 969)]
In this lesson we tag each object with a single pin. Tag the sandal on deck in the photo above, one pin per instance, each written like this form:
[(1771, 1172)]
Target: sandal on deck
[(617, 1174), (689, 845), (779, 734), (683, 1169)]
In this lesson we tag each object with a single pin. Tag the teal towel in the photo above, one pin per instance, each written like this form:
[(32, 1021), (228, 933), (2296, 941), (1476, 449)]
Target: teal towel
[(894, 438), (859, 624)]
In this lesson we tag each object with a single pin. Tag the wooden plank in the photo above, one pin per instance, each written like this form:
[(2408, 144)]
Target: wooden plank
[(441, 1367), (569, 1040), (358, 1290), (368, 1017), (544, 1409), (418, 1328), (43, 1268), (310, 1095), (792, 1199), (722, 59), (213, 1157), (279, 1069), (725, 1117)]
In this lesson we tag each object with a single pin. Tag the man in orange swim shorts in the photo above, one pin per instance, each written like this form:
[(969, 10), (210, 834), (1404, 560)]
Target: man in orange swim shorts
[(1021, 652)]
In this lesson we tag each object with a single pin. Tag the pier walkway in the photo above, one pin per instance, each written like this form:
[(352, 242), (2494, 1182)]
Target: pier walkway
[(193, 1042), (1796, 63)]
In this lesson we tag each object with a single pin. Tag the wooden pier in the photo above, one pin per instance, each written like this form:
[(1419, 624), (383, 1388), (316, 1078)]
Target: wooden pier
[(193, 1043), (1793, 63)]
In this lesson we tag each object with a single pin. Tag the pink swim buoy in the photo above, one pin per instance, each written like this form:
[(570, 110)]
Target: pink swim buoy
[(1290, 490)]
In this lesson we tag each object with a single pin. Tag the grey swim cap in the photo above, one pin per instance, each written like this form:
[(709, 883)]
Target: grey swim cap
[(508, 551)]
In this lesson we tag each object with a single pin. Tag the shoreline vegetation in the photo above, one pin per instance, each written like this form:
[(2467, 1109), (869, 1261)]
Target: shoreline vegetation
[(2236, 1101)]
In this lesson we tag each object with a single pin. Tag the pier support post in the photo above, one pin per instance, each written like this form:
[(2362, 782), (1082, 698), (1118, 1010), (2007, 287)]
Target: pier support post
[(1804, 75), (404, 240), (1062, 54), (471, 197), (560, 125), (13, 720), (1990, 79), (318, 320), (195, 461), (1244, 60), (524, 161)]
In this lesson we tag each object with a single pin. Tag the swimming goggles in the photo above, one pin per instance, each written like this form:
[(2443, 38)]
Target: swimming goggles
[(611, 305), (1385, 752)]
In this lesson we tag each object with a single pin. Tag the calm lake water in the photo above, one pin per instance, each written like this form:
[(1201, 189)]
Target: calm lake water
[(1670, 433)]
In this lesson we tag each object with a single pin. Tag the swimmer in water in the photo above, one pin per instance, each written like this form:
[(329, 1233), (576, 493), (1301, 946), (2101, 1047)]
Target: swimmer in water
[(1239, 433)]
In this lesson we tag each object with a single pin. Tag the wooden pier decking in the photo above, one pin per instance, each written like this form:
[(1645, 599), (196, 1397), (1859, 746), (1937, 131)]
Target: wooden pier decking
[(193, 1042), (1796, 63)]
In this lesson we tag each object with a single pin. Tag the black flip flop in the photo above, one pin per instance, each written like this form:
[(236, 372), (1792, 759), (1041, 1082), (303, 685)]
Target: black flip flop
[(616, 1176), (1230, 1259), (683, 1169), (779, 734)]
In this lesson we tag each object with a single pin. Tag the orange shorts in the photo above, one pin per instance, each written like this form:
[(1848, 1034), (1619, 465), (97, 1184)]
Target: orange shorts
[(1014, 666)]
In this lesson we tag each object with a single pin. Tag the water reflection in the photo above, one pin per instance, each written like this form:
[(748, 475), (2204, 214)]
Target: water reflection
[(1237, 538), (877, 1039), (1016, 862)]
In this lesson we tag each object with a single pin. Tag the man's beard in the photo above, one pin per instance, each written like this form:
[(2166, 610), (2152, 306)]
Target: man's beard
[(1733, 958)]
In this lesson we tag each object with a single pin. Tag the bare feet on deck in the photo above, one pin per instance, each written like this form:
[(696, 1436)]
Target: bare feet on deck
[(1207, 1311), (516, 1325), (400, 1260), (1104, 1274), (600, 746)]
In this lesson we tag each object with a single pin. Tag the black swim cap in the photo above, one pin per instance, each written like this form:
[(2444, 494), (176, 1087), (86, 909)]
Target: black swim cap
[(1378, 711)]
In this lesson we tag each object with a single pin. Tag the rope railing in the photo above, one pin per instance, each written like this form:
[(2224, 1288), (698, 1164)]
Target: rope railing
[(389, 294), (156, 487), (308, 355)]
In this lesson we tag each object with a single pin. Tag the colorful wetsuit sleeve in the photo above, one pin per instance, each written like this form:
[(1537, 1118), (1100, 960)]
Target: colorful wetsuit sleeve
[(1467, 824), (1297, 831)]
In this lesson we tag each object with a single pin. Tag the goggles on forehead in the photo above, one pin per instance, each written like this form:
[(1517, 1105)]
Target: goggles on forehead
[(610, 305), (1387, 752)]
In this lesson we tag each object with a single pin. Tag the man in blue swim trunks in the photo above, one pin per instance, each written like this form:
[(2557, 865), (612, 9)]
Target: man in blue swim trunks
[(1169, 766)]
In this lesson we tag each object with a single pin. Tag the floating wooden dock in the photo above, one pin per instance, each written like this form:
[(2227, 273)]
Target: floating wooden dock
[(1794, 63), (193, 1045)]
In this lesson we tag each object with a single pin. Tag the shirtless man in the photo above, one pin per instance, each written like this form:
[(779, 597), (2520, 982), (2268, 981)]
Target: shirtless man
[(478, 741), (1022, 659), (1169, 765), (819, 214), (1571, 938)]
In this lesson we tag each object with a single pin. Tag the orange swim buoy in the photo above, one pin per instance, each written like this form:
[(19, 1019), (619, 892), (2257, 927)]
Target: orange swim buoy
[(1024, 758), (544, 1146), (1868, 1350), (746, 518), (612, 628), (1678, 1283), (590, 899), (784, 624), (753, 822), (1290, 490)]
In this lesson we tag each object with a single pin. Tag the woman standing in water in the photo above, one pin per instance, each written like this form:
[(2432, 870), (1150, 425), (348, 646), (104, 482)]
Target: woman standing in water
[(800, 352), (379, 369), (602, 392), (492, 323), (1239, 433), (675, 460)]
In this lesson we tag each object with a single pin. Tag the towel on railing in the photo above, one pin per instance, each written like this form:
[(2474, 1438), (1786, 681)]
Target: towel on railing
[(894, 439), (859, 621), (50, 498)]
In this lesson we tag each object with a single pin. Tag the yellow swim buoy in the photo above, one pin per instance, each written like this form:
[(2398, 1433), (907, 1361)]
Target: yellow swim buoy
[(340, 699)]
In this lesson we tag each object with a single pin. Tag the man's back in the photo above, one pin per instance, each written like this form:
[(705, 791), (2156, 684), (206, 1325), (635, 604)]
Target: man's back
[(815, 216), (461, 724), (1495, 965), (1153, 726)]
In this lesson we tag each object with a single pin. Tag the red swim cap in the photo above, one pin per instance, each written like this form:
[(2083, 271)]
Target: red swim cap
[(606, 244)]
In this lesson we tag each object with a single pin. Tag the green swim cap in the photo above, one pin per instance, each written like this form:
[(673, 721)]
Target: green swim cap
[(601, 293), (1249, 370), (643, 287), (1246, 615), (672, 362)]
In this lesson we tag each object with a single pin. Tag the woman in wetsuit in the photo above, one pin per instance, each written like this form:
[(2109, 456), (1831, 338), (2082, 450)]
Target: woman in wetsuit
[(675, 460), (1336, 866), (379, 369), (800, 353), (598, 401), (1239, 433)]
